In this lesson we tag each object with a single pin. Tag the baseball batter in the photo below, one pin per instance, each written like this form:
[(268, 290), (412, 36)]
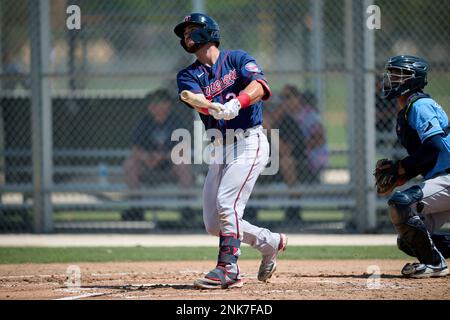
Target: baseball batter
[(423, 129), (235, 84)]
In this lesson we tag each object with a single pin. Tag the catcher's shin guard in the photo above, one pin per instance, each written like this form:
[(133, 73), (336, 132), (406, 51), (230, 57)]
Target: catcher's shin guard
[(400, 204), (442, 242), (414, 238), (403, 246)]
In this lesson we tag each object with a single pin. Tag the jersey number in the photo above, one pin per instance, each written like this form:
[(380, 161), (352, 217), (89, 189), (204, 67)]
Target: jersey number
[(230, 95)]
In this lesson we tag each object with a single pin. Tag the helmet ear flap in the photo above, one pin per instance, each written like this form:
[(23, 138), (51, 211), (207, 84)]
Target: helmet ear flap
[(215, 34), (204, 35), (200, 35)]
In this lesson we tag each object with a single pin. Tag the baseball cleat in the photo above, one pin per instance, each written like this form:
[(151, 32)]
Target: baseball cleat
[(218, 279), (269, 263), (421, 270)]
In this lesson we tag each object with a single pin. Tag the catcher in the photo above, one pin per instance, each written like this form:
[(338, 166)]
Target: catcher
[(423, 130)]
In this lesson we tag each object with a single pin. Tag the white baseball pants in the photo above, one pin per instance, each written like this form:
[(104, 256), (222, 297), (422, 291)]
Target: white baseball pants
[(228, 185)]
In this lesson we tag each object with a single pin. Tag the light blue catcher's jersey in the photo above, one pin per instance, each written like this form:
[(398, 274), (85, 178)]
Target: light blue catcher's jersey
[(428, 118)]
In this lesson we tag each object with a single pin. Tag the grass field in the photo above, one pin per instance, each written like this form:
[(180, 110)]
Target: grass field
[(120, 254)]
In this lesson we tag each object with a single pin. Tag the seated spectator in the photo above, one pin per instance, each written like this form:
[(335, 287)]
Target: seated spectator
[(302, 108), (150, 161), (291, 146), (303, 151), (14, 73)]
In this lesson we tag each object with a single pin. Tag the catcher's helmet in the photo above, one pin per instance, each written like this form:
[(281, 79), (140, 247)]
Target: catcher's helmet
[(208, 31), (404, 74)]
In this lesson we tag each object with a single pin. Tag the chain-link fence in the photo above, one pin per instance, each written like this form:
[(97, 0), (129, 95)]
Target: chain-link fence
[(87, 113)]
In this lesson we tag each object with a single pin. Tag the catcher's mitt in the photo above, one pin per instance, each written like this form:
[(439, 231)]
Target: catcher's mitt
[(387, 177)]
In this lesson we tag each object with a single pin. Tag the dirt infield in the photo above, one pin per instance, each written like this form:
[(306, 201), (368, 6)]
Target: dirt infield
[(294, 280)]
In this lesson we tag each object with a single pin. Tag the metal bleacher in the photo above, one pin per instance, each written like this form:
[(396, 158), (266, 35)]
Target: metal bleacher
[(79, 187)]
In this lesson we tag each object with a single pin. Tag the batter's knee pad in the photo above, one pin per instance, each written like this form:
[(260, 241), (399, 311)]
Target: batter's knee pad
[(414, 238)]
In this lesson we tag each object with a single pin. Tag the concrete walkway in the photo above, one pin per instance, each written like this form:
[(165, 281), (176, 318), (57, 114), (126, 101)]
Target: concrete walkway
[(130, 240)]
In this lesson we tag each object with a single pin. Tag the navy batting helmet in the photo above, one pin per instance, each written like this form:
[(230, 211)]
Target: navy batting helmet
[(404, 74), (208, 31)]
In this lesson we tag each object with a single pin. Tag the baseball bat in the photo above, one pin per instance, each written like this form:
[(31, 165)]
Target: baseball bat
[(197, 100)]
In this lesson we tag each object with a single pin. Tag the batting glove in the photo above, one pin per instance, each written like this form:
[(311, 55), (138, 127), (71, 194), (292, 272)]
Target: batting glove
[(217, 114), (228, 111), (231, 109)]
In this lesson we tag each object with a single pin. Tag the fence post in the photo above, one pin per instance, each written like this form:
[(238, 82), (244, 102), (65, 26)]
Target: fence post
[(369, 106), (2, 128), (362, 145), (317, 44), (1, 52), (198, 131), (198, 6), (41, 115)]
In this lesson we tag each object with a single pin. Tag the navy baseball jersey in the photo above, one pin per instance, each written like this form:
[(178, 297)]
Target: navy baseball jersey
[(223, 81)]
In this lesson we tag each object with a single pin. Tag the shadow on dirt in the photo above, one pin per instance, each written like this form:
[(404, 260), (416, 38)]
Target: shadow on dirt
[(351, 276), (144, 287)]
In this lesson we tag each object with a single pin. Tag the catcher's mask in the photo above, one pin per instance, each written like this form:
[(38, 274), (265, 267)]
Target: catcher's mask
[(208, 31), (404, 74)]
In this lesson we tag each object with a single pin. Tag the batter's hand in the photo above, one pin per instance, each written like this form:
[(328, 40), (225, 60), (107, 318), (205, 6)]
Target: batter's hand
[(229, 110), (217, 114)]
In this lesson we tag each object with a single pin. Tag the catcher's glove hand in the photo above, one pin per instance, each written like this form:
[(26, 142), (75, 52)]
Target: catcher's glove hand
[(387, 177)]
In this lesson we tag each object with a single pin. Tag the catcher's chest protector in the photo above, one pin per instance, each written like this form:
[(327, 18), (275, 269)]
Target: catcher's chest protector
[(408, 137)]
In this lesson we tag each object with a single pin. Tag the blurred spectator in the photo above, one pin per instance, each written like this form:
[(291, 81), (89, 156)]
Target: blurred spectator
[(291, 148), (150, 161), (14, 73), (302, 108), (303, 151)]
